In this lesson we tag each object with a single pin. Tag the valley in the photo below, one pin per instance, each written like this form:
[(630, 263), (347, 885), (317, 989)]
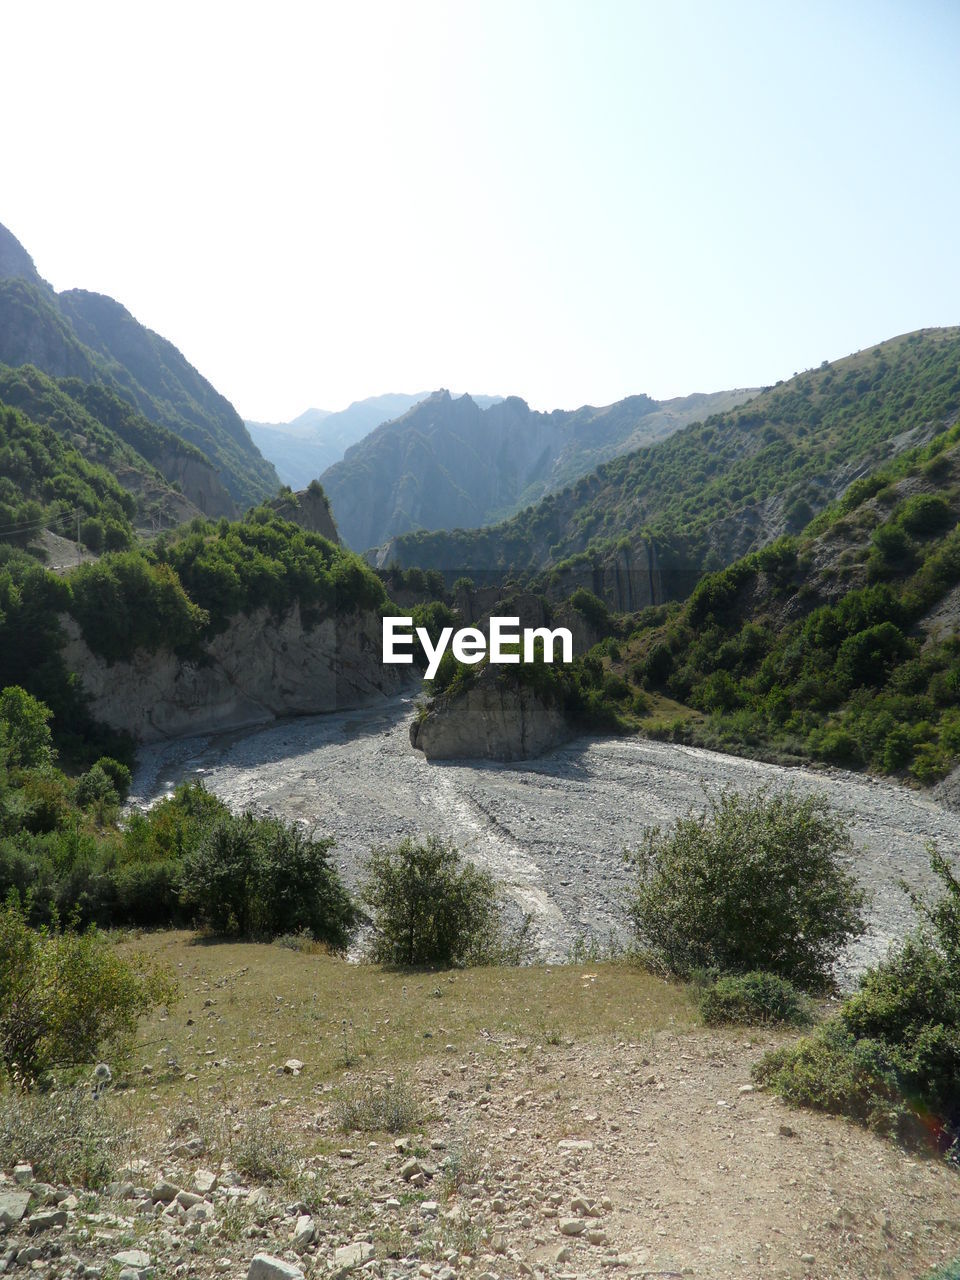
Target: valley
[(552, 830)]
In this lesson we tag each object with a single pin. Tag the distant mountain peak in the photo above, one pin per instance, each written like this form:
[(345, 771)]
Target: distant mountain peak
[(15, 262)]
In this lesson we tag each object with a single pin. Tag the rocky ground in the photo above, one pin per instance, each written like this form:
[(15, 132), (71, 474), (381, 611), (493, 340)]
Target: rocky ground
[(615, 1158), (554, 829)]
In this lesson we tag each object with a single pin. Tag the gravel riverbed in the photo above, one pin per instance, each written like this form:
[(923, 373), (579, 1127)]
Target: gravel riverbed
[(552, 830)]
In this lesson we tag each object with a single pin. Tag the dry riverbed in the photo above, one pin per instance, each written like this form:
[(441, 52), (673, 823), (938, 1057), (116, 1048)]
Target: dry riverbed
[(553, 830)]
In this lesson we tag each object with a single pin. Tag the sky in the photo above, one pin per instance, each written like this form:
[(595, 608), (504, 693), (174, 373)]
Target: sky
[(567, 200)]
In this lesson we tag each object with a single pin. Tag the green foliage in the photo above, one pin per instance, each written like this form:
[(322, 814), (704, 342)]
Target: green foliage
[(592, 608), (431, 908), (752, 999), (25, 738), (751, 883), (378, 1107), (688, 494), (124, 602), (891, 1057), (265, 878), (67, 999)]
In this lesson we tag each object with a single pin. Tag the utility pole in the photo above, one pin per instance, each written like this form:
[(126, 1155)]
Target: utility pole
[(78, 536)]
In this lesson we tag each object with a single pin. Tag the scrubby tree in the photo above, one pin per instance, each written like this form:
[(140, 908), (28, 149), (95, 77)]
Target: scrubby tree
[(429, 906), (753, 882), (24, 729)]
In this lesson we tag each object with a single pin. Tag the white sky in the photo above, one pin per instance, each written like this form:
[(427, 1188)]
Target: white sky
[(568, 200)]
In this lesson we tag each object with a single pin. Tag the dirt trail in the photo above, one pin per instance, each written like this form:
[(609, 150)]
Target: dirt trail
[(554, 829)]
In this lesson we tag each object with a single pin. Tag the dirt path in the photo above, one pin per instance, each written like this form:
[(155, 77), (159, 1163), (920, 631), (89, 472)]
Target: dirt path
[(553, 829)]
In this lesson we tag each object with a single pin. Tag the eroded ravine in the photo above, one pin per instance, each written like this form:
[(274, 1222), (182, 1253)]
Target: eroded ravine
[(553, 830)]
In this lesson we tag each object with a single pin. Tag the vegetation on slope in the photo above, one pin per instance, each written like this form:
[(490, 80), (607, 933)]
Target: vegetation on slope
[(726, 486), (841, 644), (174, 595)]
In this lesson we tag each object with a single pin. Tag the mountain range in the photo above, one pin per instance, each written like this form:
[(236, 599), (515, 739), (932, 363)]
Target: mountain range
[(717, 489), (455, 462), (302, 449)]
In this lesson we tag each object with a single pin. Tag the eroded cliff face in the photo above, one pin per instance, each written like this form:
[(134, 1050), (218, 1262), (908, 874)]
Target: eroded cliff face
[(199, 482), (491, 721), (256, 671)]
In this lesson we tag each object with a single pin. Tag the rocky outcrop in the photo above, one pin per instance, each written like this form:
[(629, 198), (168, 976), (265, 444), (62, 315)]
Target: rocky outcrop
[(199, 482), (256, 671), (309, 509), (493, 720)]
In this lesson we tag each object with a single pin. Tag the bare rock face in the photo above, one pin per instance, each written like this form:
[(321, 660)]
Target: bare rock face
[(256, 671), (199, 482), (493, 720)]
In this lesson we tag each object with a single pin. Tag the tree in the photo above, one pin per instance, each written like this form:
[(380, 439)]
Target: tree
[(754, 882), (24, 729), (429, 906)]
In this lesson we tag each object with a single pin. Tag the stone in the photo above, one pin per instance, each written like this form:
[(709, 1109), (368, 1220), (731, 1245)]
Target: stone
[(430, 1208), (349, 1256), (137, 1259), (303, 1232), (204, 1182), (13, 1205), (187, 1199), (22, 1174), (410, 1168), (263, 1266), (596, 1236), (164, 1192), (292, 1067), (572, 1226), (575, 1144), (45, 1220)]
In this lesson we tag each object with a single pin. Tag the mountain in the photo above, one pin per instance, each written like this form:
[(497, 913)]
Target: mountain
[(455, 462), (303, 449), (648, 524), (840, 644), (90, 337)]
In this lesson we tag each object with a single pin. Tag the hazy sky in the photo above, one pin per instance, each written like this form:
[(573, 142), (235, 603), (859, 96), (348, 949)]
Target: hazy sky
[(568, 200)]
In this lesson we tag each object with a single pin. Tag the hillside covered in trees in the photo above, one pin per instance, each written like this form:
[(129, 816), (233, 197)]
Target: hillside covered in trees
[(724, 487), (93, 340)]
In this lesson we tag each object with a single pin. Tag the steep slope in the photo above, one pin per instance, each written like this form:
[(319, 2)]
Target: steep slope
[(304, 448), (108, 432), (648, 524), (450, 463), (92, 338), (841, 644)]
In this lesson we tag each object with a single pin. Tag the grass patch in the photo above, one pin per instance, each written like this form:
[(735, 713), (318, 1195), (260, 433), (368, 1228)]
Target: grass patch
[(389, 1106), (67, 1135)]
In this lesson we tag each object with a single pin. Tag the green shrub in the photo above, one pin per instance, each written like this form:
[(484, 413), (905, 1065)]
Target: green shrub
[(67, 1135), (591, 608), (752, 883), (95, 787), (752, 999), (25, 736), (67, 999), (387, 1107), (264, 878), (891, 1057), (431, 908)]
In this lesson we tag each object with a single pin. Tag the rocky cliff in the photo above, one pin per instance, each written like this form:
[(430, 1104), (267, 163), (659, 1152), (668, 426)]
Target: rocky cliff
[(309, 509), (493, 720), (256, 671)]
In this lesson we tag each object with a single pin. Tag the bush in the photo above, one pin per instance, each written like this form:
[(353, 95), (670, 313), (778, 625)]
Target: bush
[(67, 1135), (431, 908), (95, 787), (752, 999), (24, 729), (891, 1057), (752, 883), (264, 878), (390, 1107), (67, 999)]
